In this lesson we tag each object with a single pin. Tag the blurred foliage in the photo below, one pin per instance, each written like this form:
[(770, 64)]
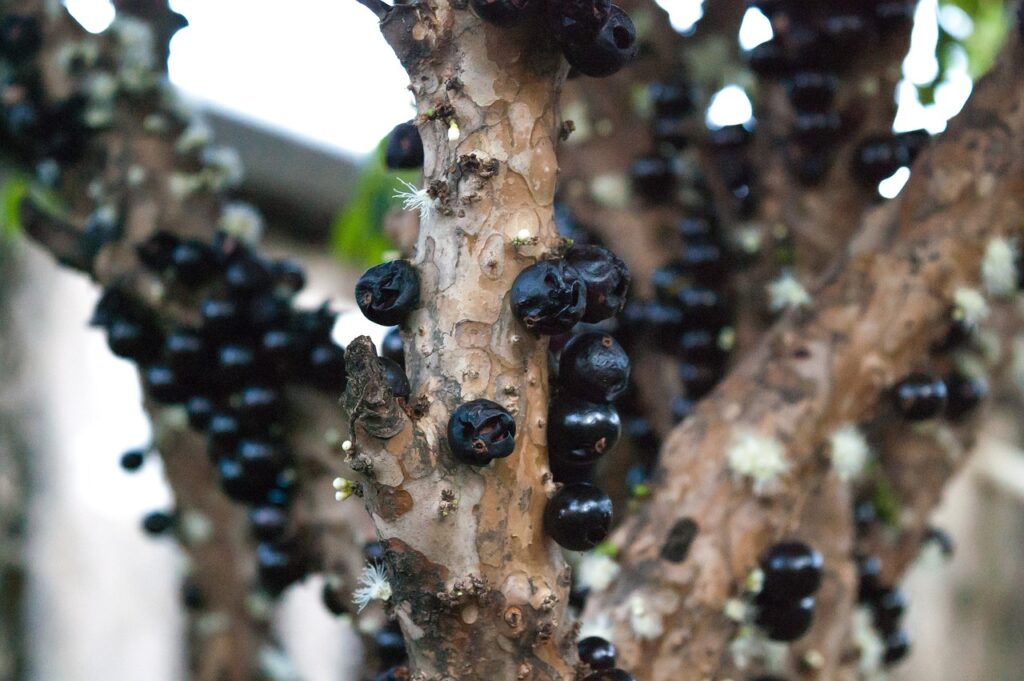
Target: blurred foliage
[(981, 45), (357, 234)]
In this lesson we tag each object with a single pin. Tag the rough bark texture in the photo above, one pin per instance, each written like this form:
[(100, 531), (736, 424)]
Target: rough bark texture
[(479, 590), (814, 372)]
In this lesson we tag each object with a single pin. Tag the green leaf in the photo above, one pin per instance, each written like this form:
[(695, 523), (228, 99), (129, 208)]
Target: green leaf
[(11, 194), (356, 234)]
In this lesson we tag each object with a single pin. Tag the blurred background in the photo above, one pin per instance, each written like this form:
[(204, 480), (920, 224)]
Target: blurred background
[(277, 80)]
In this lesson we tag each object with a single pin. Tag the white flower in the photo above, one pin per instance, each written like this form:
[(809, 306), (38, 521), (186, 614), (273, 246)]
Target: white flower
[(645, 622), (736, 610), (969, 306), (750, 239), (101, 88), (999, 267), (375, 586), (343, 488), (242, 220), (600, 626), (136, 175), (758, 457), (787, 293), (453, 132), (610, 190), (417, 200), (196, 136), (223, 167), (867, 640), (196, 527), (135, 38), (181, 185), (597, 571), (850, 452)]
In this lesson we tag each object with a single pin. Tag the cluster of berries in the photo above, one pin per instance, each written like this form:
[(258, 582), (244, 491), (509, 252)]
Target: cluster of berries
[(810, 48), (230, 373), (31, 128), (596, 37), (785, 604), (552, 297), (887, 604)]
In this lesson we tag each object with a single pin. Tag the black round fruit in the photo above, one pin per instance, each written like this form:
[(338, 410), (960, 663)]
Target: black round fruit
[(605, 277), (786, 620), (614, 46), (325, 366), (193, 262), (199, 409), (134, 340), (390, 645), (391, 347), (163, 384), (897, 646), (396, 379), (21, 37), (875, 159), (157, 523), (578, 516), (813, 90), (889, 606), (869, 579), (653, 178), (965, 394), (387, 293), (132, 460), (581, 432), (269, 523), (594, 367), (549, 297), (278, 566), (920, 396), (596, 652), (792, 570), (333, 600), (405, 148), (481, 431)]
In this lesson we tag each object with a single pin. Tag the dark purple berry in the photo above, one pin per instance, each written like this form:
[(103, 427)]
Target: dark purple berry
[(222, 318), (869, 579), (816, 129), (132, 460), (653, 178), (258, 403), (387, 293), (792, 570), (813, 90), (769, 60), (594, 367), (333, 600), (549, 297), (157, 523), (892, 16), (193, 262), (942, 539), (581, 432), (578, 516), (163, 384), (699, 379), (326, 367), (786, 620), (920, 396), (223, 432), (681, 408), (897, 646), (875, 159), (391, 347), (605, 277), (192, 596), (503, 12), (614, 46), (700, 346), (289, 275), (390, 645), (261, 460), (235, 364), (157, 252), (405, 148), (965, 394), (21, 37), (185, 351), (576, 21), (910, 144), (280, 347), (671, 99), (396, 379), (596, 652), (247, 275), (199, 409), (279, 566), (269, 523), (133, 340), (889, 606), (481, 431)]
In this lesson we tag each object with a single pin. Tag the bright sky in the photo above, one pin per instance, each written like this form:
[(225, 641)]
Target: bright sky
[(319, 69)]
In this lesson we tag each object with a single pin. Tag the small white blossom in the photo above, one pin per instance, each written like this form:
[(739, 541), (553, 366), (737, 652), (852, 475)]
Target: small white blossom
[(849, 451), (758, 457), (969, 306), (194, 137), (611, 191), (136, 175), (600, 626), (736, 610), (223, 167), (867, 640), (786, 293), (597, 571), (98, 116), (414, 199), (750, 239), (243, 221), (136, 40), (375, 586), (999, 267), (101, 88), (196, 527), (182, 185), (645, 621), (77, 54), (755, 581), (155, 123), (453, 132), (276, 666), (343, 488)]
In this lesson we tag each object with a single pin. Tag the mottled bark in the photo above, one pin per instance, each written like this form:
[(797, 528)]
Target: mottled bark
[(479, 590), (815, 371)]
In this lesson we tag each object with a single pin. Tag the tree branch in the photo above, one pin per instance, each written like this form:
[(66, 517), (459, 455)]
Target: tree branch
[(813, 373)]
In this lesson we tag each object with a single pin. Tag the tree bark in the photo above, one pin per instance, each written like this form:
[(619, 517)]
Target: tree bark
[(479, 590)]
